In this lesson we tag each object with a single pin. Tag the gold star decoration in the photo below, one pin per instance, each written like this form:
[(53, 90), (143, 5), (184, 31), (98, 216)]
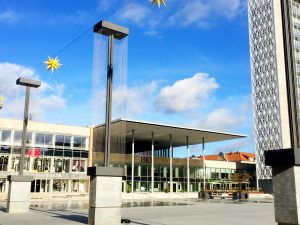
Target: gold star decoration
[(52, 63), (158, 2)]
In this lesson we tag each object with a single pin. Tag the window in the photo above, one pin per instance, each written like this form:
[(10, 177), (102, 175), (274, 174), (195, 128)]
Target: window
[(67, 141), (17, 137), (49, 139), (6, 136), (59, 140), (39, 139)]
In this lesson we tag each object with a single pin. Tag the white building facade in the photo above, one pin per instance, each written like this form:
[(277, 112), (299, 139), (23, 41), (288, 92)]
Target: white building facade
[(56, 155)]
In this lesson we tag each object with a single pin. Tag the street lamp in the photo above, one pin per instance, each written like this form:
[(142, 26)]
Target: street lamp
[(28, 84), (112, 31)]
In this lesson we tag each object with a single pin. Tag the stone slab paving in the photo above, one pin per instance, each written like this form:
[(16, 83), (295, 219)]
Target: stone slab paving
[(177, 212)]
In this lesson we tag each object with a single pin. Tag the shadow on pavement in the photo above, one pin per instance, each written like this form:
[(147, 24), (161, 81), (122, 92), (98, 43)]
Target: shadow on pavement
[(72, 217)]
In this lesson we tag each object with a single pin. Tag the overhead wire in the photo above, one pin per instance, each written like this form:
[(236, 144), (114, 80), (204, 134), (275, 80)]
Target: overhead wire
[(56, 54)]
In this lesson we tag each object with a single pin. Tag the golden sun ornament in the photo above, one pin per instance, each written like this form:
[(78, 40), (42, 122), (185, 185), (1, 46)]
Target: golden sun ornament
[(158, 2), (52, 63)]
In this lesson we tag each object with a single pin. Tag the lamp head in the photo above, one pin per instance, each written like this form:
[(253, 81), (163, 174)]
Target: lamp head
[(107, 28), (28, 82)]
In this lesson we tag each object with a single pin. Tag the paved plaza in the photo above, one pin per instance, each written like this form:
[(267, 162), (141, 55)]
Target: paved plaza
[(160, 212)]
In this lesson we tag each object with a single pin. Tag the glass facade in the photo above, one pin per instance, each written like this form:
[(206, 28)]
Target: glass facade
[(53, 159), (219, 179)]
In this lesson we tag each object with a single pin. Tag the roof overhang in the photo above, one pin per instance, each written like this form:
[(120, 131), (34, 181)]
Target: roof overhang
[(143, 133)]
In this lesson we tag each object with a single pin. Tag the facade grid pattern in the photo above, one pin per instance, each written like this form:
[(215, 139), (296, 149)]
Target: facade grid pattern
[(264, 76)]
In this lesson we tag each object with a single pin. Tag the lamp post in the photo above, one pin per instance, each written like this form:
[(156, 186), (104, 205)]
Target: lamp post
[(18, 198), (106, 182), (28, 84), (112, 31)]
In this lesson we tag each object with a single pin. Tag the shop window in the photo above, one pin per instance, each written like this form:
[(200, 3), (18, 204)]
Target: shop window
[(78, 166), (66, 166), (3, 163), (58, 165)]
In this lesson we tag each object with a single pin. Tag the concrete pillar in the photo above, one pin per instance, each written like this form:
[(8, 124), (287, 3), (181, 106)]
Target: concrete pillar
[(18, 199), (52, 165), (171, 164), (105, 195), (69, 186), (132, 163), (188, 164), (6, 185), (9, 163), (51, 186), (286, 187), (152, 163)]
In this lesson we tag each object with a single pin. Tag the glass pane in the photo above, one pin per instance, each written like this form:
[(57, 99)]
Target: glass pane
[(67, 141), (67, 153), (18, 137), (39, 139), (84, 142), (84, 154), (48, 139), (58, 152), (77, 142), (5, 149), (6, 136), (48, 151), (29, 138), (76, 153), (59, 140)]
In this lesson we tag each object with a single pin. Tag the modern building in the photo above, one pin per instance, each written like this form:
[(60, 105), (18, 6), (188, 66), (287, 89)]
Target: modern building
[(56, 155), (145, 151), (274, 27)]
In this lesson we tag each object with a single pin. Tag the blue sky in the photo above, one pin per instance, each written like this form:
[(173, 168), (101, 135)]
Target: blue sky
[(188, 63)]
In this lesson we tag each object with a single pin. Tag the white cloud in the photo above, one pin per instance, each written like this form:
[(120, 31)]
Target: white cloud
[(235, 113), (192, 12), (226, 8), (187, 94), (103, 5), (45, 98), (133, 12), (9, 16), (223, 119)]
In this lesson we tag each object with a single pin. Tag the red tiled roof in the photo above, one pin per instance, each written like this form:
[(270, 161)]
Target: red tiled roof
[(232, 157)]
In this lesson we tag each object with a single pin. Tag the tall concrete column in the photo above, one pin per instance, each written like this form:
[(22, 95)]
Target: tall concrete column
[(132, 163), (171, 164), (188, 164), (152, 163)]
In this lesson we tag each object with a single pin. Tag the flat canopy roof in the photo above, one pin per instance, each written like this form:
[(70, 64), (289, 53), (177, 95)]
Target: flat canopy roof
[(143, 133)]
